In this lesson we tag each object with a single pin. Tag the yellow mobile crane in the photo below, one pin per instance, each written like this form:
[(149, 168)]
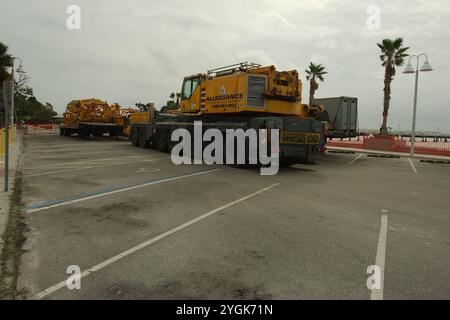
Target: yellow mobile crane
[(244, 95)]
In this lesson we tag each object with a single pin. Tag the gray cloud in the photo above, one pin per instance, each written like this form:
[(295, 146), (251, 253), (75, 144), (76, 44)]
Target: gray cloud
[(140, 50)]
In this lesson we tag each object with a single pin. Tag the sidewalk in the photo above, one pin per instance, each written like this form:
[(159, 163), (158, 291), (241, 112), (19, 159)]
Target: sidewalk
[(15, 150), (399, 154)]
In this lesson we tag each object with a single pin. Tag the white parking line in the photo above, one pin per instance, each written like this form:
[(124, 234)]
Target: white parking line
[(377, 294), (87, 161), (147, 243), (91, 167), (62, 147), (412, 165), (357, 157), (75, 151), (79, 198)]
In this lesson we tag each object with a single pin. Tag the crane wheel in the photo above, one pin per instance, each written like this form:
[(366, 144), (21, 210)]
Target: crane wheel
[(170, 143), (134, 137), (162, 140), (84, 133), (143, 143), (113, 133)]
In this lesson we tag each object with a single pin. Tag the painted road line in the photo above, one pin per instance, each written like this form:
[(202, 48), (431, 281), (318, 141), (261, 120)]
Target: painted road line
[(87, 161), (377, 294), (68, 153), (93, 195), (66, 146), (147, 243), (52, 141), (413, 167), (147, 170), (357, 157), (91, 167), (90, 160)]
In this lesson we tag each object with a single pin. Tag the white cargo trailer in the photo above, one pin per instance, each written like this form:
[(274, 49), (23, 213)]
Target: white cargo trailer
[(343, 116)]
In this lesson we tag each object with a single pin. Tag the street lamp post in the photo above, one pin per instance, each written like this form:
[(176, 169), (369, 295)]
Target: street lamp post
[(9, 116), (409, 69), (20, 71)]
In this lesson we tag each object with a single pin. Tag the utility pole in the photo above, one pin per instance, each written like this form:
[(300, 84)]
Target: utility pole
[(7, 99), (11, 113)]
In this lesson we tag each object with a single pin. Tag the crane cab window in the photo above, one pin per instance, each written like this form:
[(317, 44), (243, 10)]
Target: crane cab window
[(189, 86)]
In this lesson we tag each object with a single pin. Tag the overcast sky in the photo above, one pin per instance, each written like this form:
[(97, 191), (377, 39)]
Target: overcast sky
[(131, 51)]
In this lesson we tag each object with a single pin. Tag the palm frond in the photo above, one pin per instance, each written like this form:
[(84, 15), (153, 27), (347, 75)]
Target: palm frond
[(387, 44), (5, 58), (399, 62), (392, 52), (315, 70), (402, 50), (3, 49), (397, 43)]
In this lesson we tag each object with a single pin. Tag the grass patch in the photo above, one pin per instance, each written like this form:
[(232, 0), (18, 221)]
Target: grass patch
[(14, 239)]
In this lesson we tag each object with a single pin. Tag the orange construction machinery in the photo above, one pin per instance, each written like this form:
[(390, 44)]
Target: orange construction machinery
[(95, 117)]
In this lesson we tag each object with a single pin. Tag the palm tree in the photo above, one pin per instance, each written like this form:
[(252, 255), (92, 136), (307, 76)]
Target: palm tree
[(393, 54), (315, 71), (5, 61)]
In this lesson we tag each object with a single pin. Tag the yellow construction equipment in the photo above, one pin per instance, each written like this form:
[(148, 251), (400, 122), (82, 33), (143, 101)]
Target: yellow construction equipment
[(126, 114), (240, 96), (92, 117), (246, 88)]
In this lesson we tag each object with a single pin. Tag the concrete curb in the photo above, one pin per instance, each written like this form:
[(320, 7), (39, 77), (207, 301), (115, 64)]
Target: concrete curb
[(400, 154), (14, 165)]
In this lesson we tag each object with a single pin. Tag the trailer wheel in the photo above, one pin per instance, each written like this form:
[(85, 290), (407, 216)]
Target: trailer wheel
[(134, 137), (161, 140), (113, 133), (143, 143), (170, 143), (84, 133)]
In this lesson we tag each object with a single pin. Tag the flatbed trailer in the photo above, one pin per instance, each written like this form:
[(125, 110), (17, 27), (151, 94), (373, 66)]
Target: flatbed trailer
[(87, 129), (300, 139)]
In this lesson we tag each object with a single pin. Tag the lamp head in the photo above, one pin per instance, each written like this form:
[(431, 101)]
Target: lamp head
[(20, 69), (426, 67), (409, 68)]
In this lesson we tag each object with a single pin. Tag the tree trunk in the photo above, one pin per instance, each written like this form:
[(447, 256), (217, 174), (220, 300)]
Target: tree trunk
[(387, 98), (313, 86)]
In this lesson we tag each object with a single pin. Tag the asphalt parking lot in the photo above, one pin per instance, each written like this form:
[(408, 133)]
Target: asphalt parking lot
[(140, 227)]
